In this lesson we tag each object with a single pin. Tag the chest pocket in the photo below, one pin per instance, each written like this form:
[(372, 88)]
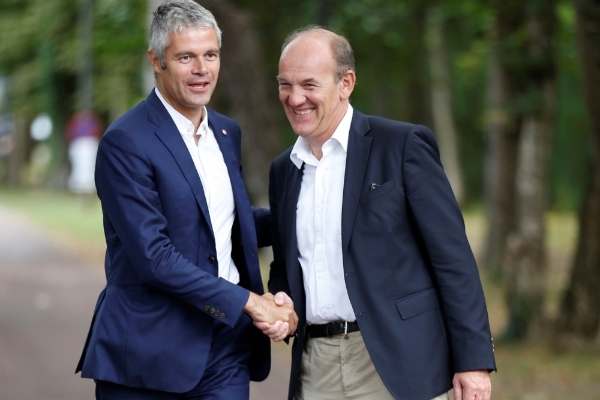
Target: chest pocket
[(377, 192)]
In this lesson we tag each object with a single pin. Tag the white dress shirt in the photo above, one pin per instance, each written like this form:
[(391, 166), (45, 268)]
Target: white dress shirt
[(319, 226), (212, 170)]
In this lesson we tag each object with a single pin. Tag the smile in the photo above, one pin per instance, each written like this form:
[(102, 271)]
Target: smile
[(303, 112), (198, 86)]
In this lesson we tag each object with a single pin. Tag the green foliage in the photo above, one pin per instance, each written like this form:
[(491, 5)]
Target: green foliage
[(571, 161), (71, 219), (39, 52), (120, 50)]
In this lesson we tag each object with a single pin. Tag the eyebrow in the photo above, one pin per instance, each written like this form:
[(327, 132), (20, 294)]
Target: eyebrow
[(189, 52), (307, 80)]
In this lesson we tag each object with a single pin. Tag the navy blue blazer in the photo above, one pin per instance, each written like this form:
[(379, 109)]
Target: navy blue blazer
[(409, 270), (153, 323)]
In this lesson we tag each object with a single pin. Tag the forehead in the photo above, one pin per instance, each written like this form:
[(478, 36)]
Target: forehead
[(307, 57), (193, 37)]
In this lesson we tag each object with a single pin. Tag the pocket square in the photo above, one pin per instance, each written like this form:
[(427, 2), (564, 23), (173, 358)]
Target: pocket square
[(374, 185)]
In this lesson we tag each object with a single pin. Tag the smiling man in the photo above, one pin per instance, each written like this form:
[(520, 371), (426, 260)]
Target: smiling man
[(183, 280), (369, 243)]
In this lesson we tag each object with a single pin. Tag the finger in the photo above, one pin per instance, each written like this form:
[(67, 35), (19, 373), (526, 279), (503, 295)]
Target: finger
[(280, 298), (262, 325), (288, 299), (293, 323), (467, 393), (285, 328), (282, 333), (272, 332), (457, 391), (275, 328)]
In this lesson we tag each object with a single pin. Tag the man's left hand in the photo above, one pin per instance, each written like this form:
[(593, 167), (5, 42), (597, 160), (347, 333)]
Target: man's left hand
[(472, 385)]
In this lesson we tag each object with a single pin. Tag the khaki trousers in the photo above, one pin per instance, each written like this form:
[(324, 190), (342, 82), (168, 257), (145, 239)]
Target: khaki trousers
[(336, 368)]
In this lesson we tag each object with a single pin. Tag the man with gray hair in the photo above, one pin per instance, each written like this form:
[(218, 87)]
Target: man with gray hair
[(183, 280)]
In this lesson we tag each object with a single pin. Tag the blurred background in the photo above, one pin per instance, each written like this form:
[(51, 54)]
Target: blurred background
[(511, 88)]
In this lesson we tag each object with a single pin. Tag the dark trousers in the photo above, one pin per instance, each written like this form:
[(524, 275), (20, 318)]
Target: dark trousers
[(226, 376)]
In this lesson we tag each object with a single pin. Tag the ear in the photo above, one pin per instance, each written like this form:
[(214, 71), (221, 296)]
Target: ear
[(154, 61), (348, 81)]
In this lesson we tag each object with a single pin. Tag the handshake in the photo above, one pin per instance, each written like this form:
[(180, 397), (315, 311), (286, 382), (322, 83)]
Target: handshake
[(273, 315)]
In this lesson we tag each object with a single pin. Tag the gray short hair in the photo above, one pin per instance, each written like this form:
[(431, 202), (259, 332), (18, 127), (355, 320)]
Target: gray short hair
[(174, 16), (340, 47)]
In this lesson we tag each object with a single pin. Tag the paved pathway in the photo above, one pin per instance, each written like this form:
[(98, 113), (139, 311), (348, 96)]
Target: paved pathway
[(47, 296)]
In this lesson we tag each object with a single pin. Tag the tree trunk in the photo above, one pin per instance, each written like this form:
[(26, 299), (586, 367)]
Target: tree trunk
[(441, 100), (252, 97), (324, 12), (418, 106), (147, 72), (18, 157), (524, 262), (578, 321), (502, 141)]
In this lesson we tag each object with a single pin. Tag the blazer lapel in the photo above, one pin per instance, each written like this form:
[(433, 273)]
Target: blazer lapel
[(359, 147), (243, 207), (292, 191), (168, 134), (233, 167)]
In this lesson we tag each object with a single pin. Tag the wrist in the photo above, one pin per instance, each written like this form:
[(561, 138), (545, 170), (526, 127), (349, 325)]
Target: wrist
[(250, 304)]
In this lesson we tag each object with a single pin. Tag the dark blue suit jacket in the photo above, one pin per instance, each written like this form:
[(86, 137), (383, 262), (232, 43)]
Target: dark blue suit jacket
[(153, 323), (409, 270)]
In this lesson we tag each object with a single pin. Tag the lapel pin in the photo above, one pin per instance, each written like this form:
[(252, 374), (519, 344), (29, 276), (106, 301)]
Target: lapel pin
[(224, 132)]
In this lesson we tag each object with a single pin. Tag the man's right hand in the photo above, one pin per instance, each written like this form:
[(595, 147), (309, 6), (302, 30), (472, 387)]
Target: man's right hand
[(264, 309), (273, 315)]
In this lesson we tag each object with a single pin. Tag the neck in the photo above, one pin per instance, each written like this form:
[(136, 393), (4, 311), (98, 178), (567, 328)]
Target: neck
[(196, 115), (317, 150), (316, 144)]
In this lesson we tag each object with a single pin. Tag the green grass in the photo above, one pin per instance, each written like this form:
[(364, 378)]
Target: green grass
[(528, 371), (70, 219)]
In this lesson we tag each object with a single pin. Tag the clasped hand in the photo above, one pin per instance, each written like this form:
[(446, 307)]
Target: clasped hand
[(280, 320)]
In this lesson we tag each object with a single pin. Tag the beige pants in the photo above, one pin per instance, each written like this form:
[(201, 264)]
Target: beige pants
[(323, 360)]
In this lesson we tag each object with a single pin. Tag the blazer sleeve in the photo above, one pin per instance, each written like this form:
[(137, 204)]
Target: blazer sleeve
[(439, 221), (131, 202)]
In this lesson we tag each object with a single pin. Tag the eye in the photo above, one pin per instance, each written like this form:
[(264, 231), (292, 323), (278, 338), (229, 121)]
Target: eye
[(212, 56), (185, 59)]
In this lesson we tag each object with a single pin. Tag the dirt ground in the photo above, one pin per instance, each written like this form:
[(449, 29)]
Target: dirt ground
[(48, 290), (47, 296)]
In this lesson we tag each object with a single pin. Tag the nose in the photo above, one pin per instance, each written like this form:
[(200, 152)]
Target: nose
[(296, 98), (199, 67)]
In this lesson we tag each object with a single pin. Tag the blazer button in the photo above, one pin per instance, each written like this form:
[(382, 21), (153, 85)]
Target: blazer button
[(211, 259), (212, 310), (207, 308), (221, 315)]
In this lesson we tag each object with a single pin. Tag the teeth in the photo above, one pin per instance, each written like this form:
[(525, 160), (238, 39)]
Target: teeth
[(302, 112)]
